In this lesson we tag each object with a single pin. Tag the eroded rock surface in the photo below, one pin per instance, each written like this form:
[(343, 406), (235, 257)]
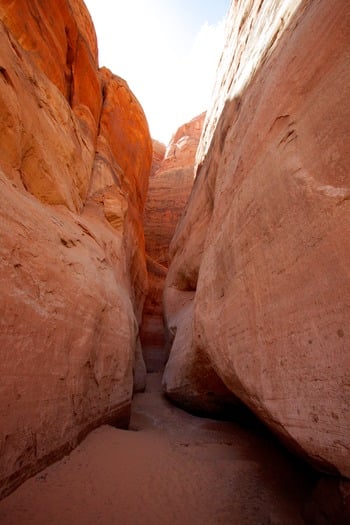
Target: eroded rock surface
[(169, 187), (75, 156), (263, 250)]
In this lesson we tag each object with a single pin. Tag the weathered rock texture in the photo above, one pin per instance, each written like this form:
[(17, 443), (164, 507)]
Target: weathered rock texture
[(262, 254), (159, 150), (169, 187), (75, 156)]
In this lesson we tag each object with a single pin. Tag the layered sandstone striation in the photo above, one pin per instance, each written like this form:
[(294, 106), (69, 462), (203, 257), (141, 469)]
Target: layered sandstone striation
[(169, 187), (75, 156), (258, 288), (158, 155)]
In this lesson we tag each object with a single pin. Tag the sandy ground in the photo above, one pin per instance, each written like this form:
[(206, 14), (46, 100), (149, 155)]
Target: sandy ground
[(171, 469)]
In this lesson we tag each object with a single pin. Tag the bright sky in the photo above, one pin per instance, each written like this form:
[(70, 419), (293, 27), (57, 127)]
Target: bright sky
[(167, 51)]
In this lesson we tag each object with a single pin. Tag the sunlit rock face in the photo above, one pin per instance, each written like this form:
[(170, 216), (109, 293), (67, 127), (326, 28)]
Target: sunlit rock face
[(75, 156), (258, 288), (169, 187)]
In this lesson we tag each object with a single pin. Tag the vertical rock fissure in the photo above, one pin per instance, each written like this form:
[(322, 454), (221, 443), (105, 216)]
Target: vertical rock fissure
[(170, 184), (70, 58)]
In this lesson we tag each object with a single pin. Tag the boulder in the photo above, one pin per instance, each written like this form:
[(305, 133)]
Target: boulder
[(75, 157), (264, 244)]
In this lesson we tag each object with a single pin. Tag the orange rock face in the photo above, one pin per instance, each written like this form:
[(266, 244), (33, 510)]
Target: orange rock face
[(61, 42), (75, 156), (169, 188), (181, 150), (158, 156), (263, 250)]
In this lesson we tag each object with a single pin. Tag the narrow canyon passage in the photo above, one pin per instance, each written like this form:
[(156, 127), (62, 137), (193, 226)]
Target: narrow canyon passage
[(223, 257), (171, 468)]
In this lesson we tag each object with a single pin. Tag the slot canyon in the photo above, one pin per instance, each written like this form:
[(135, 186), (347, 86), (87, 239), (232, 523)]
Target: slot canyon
[(175, 318)]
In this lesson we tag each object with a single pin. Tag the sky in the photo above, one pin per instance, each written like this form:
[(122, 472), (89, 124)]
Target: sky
[(167, 51)]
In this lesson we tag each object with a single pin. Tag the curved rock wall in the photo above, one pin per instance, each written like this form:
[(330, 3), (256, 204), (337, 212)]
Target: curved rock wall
[(75, 156), (263, 249)]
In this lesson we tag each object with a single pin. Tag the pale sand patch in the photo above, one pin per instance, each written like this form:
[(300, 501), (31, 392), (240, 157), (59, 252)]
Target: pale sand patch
[(176, 469)]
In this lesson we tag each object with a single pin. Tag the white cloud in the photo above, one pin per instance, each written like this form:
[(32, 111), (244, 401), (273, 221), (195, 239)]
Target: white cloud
[(170, 71), (200, 68)]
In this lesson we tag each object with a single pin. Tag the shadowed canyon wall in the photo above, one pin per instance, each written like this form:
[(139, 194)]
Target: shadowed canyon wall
[(75, 157), (169, 187), (258, 289)]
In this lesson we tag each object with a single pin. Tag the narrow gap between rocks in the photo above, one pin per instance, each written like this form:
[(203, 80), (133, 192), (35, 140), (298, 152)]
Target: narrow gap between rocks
[(266, 201)]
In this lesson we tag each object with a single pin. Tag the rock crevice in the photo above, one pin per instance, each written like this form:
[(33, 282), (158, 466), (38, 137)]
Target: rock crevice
[(170, 185)]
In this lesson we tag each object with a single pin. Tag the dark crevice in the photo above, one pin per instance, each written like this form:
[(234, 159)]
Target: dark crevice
[(69, 76), (5, 75)]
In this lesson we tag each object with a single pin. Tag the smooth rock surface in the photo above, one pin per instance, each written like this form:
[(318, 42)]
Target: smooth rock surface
[(75, 156), (169, 187), (264, 245)]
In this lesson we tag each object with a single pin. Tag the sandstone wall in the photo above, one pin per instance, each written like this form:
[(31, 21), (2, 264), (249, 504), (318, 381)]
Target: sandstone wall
[(261, 256), (75, 155), (169, 187)]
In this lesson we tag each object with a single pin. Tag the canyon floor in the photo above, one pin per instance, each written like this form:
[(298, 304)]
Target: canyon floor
[(170, 468)]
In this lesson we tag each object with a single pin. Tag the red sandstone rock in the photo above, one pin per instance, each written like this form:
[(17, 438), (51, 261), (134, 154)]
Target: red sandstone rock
[(73, 275), (61, 41), (122, 165), (181, 150), (158, 155), (168, 192), (264, 245), (329, 503)]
